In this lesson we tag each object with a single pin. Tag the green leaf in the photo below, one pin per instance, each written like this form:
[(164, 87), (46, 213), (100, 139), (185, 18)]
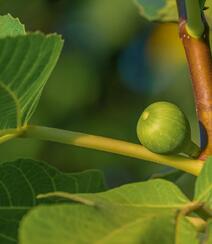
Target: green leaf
[(208, 13), (186, 232), (22, 180), (160, 10), (203, 188), (170, 175), (10, 26), (128, 214), (26, 62), (78, 224), (202, 3), (156, 194), (209, 232)]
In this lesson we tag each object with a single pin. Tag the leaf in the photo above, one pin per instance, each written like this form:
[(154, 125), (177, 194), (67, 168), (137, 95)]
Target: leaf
[(22, 180), (154, 194), (170, 175), (202, 3), (208, 13), (78, 224), (187, 184), (26, 62), (203, 188), (10, 26), (186, 232), (160, 10), (128, 214), (209, 232), (166, 10)]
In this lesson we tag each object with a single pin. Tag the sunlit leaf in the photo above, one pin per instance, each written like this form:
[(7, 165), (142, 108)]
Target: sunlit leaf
[(79, 224), (203, 189), (26, 62), (209, 232), (128, 214), (186, 232)]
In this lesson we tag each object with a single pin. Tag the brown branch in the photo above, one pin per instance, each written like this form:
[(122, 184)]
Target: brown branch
[(200, 64)]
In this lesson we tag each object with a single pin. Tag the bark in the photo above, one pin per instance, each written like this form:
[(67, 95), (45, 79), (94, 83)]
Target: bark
[(200, 65)]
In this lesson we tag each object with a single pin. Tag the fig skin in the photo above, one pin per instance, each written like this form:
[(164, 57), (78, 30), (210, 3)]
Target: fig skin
[(163, 128)]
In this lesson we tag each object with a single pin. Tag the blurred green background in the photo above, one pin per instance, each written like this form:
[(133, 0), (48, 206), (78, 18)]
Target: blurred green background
[(114, 63)]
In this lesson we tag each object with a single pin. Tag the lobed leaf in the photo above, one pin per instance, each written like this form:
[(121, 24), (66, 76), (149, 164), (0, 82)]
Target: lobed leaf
[(22, 180), (82, 225), (26, 62), (153, 194), (156, 193), (128, 214)]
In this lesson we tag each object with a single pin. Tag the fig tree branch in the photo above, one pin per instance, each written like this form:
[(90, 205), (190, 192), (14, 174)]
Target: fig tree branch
[(105, 144), (199, 60)]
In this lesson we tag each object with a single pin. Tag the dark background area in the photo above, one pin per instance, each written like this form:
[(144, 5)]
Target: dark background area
[(114, 63)]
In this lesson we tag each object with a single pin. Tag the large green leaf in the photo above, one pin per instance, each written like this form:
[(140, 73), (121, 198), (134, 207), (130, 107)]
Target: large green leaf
[(128, 214), (78, 224), (160, 10), (26, 62), (203, 189), (151, 194), (22, 180)]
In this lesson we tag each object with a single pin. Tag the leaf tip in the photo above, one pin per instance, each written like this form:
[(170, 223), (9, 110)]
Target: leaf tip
[(40, 196)]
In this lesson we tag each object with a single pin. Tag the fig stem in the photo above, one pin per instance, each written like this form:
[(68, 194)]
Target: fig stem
[(113, 146)]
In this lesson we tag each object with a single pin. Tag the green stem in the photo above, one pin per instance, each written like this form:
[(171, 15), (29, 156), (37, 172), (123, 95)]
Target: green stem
[(9, 134), (195, 26), (113, 146)]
